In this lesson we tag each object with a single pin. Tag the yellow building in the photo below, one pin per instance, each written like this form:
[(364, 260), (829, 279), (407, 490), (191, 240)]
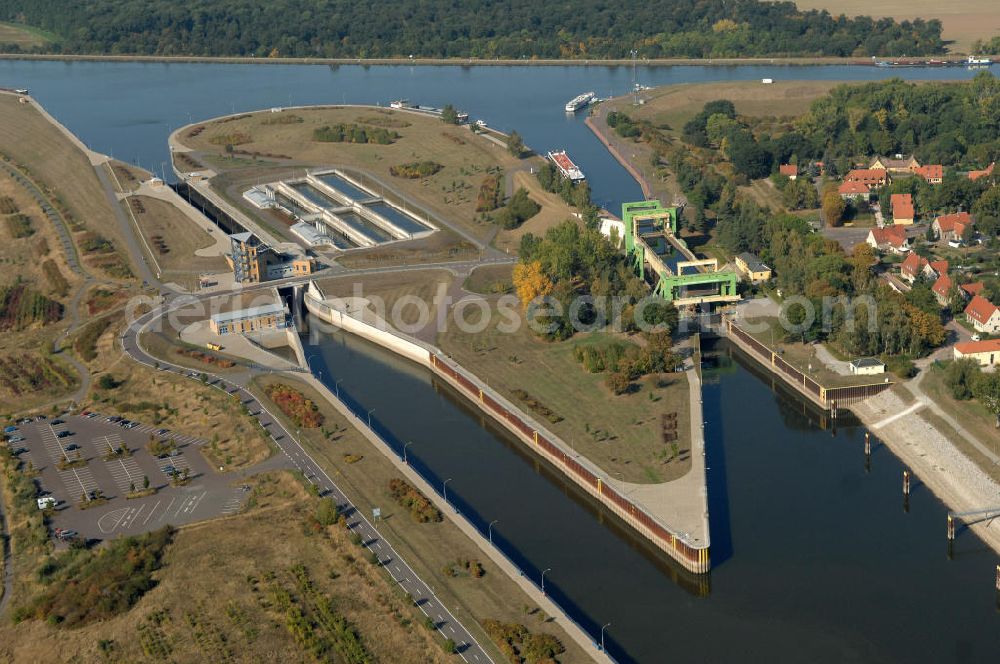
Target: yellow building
[(254, 319), (986, 353), (751, 268), (253, 261)]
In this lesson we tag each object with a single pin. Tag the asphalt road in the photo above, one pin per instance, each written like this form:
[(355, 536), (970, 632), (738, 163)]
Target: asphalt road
[(450, 628)]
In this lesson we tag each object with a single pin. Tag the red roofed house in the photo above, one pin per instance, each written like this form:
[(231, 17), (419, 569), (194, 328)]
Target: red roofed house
[(951, 226), (941, 288), (933, 173), (973, 289), (791, 171), (912, 267), (935, 269), (854, 189), (988, 171), (902, 209), (985, 352), (984, 315), (889, 238), (873, 177)]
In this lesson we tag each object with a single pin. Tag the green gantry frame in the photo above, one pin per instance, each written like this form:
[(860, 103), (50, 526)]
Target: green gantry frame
[(668, 285)]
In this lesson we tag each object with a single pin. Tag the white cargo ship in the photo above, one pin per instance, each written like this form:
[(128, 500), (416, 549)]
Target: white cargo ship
[(566, 166), (576, 103)]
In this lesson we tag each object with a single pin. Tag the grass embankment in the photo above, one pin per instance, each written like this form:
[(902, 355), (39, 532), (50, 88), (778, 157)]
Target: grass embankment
[(491, 280), (962, 22), (620, 433), (301, 588), (58, 166), (450, 192), (393, 291), (174, 239), (430, 548)]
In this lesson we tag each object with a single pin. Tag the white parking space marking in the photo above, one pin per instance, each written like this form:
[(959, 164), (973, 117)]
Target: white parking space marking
[(78, 481)]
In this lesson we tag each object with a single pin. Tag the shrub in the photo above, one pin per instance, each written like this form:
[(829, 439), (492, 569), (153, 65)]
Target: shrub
[(283, 119), (302, 411), (519, 209), (490, 194), (354, 133), (20, 307), (618, 381), (415, 169), (235, 138), (408, 496), (19, 225), (959, 376), (89, 586)]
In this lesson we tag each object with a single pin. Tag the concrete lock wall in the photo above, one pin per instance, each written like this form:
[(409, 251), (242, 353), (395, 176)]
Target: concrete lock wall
[(535, 437)]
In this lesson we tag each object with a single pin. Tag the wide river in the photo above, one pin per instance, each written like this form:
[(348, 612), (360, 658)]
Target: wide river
[(815, 558)]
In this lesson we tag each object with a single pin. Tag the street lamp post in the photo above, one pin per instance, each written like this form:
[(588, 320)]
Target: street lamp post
[(547, 569), (406, 460), (309, 362), (446, 489), (602, 636), (370, 417), (336, 387), (490, 529)]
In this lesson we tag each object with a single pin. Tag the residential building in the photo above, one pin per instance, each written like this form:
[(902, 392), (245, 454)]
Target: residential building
[(254, 319), (854, 190), (867, 366), (253, 261), (934, 269), (752, 268), (942, 288), (873, 177), (891, 239), (932, 173), (986, 352), (899, 164), (985, 173), (912, 267), (973, 289), (791, 171), (902, 209), (983, 314), (952, 226)]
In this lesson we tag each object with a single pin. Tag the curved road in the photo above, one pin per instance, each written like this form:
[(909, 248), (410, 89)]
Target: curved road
[(423, 597)]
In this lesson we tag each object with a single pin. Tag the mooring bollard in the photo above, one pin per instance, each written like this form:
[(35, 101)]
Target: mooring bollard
[(998, 577), (951, 528), (868, 444), (906, 483)]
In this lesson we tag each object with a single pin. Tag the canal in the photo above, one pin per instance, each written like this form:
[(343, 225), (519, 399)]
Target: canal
[(816, 560)]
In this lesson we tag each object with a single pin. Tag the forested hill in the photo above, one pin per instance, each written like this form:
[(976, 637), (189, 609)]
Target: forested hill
[(464, 28)]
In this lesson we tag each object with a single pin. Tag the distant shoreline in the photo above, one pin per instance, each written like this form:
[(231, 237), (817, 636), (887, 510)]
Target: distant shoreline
[(457, 62)]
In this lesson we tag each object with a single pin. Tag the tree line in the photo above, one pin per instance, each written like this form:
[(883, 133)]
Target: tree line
[(475, 28)]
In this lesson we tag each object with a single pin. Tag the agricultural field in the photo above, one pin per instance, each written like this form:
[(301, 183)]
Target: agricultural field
[(303, 591), (304, 138), (673, 105), (22, 36), (620, 433), (963, 22), (433, 549)]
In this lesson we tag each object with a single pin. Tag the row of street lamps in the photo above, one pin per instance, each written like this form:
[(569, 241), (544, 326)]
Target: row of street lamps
[(444, 492)]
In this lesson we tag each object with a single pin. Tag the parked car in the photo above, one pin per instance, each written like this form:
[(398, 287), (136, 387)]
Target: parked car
[(160, 432), (16, 439), (46, 502), (19, 450), (56, 421), (169, 470), (65, 534), (64, 434), (71, 447), (10, 429)]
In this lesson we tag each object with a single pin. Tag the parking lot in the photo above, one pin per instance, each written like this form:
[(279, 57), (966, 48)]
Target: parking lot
[(85, 446)]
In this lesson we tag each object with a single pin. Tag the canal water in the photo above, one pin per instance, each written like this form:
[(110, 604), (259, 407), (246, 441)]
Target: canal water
[(816, 559)]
